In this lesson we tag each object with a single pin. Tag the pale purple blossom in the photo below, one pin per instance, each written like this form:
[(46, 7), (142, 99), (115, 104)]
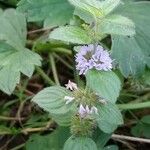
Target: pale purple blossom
[(71, 86), (68, 99), (85, 111), (90, 57)]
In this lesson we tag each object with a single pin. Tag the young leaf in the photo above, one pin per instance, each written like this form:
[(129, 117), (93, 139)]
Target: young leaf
[(109, 5), (80, 143), (133, 53), (71, 34), (52, 100), (106, 84), (109, 117), (53, 12), (92, 6), (14, 57), (117, 24)]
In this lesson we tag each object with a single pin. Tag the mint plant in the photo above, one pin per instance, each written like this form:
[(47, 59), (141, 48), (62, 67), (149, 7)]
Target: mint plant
[(81, 28)]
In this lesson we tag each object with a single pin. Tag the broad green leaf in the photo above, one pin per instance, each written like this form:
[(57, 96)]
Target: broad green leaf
[(14, 57), (142, 129), (105, 83), (111, 147), (117, 25), (52, 100), (53, 12), (92, 6), (109, 117), (80, 143), (52, 141), (132, 53), (109, 5), (13, 29), (71, 34)]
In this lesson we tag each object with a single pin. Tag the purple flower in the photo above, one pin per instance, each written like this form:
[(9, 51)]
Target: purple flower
[(89, 58), (85, 111)]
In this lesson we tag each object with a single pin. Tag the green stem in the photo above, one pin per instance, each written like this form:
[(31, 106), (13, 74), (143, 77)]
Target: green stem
[(76, 74), (63, 61), (131, 106), (44, 76), (54, 70)]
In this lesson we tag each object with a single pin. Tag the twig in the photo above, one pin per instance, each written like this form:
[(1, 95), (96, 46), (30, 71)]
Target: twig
[(39, 30), (18, 147), (10, 118), (129, 138)]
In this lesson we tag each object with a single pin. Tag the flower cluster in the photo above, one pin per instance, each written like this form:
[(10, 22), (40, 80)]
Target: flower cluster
[(82, 111), (90, 57)]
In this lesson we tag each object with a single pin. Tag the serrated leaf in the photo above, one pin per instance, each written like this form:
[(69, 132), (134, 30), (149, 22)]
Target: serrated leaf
[(80, 143), (53, 12), (52, 100), (71, 34), (133, 53), (13, 28), (109, 117), (117, 25), (106, 84), (14, 57), (92, 6)]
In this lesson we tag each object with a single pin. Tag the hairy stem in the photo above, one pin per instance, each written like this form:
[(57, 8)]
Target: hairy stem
[(44, 76), (54, 70)]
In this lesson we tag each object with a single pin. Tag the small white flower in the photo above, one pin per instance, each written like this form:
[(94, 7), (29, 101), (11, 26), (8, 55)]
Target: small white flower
[(71, 86), (94, 110), (68, 99), (102, 101), (82, 111)]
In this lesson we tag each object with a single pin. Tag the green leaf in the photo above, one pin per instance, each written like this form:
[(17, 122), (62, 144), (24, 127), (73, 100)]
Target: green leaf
[(52, 100), (142, 129), (106, 84), (109, 5), (71, 34), (53, 12), (117, 24), (109, 117), (14, 57), (52, 141), (80, 143), (111, 147), (92, 6), (132, 53), (13, 29)]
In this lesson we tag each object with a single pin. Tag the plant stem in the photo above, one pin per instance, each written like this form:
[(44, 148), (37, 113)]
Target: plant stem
[(44, 76), (54, 70), (131, 106), (129, 138), (63, 61)]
